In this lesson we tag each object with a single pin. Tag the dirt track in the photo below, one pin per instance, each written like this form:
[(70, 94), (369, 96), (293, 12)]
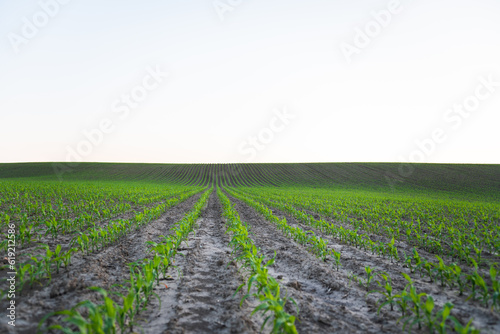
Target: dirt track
[(200, 301)]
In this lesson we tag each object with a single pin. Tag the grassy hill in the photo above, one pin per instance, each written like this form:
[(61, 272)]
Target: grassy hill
[(466, 179)]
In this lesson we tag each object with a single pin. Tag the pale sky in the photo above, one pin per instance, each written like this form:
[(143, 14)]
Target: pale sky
[(350, 80)]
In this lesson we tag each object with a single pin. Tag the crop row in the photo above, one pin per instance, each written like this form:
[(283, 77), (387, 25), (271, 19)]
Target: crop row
[(464, 230), (77, 204), (40, 268), (482, 286), (267, 289), (419, 308), (93, 238), (118, 310), (315, 244), (31, 228), (416, 308)]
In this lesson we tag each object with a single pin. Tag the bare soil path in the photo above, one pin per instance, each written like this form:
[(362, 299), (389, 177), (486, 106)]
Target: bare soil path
[(201, 300)]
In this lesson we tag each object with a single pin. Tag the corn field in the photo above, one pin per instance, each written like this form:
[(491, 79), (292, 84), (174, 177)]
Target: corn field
[(250, 248)]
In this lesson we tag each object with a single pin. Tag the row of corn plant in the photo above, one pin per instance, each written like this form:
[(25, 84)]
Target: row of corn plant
[(118, 309), (339, 232), (32, 226), (315, 244), (74, 205), (452, 276), (464, 230), (46, 200), (481, 287), (266, 289), (39, 269), (419, 308)]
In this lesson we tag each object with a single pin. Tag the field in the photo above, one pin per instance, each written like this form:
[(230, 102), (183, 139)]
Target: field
[(245, 248)]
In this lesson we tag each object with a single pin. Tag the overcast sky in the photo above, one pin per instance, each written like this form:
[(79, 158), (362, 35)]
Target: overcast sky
[(250, 81)]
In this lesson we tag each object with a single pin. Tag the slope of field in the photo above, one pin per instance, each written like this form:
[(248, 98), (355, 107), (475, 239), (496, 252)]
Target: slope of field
[(472, 180), (179, 248)]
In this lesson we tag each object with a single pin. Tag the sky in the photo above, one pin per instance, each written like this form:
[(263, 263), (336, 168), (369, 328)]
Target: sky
[(228, 81)]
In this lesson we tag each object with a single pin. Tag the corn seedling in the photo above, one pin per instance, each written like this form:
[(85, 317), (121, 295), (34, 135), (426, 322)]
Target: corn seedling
[(370, 274), (389, 298), (495, 284), (336, 257), (464, 329)]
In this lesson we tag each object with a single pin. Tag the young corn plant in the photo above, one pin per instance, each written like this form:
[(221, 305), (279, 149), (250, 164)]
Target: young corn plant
[(419, 262), (36, 270), (403, 301), (428, 269), (142, 283), (407, 261), (100, 318), (477, 282), (495, 284), (22, 272), (444, 315), (125, 314), (52, 228), (464, 329), (479, 252), (47, 262), (370, 274), (66, 257), (416, 308), (391, 250), (268, 292), (57, 257), (336, 257), (442, 271), (427, 307), (26, 234), (353, 277), (84, 243), (389, 298)]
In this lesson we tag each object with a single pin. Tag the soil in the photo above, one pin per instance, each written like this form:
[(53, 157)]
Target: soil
[(200, 300), (197, 297), (354, 261), (326, 301), (104, 268)]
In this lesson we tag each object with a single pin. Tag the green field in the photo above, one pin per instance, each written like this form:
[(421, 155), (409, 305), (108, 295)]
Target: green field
[(316, 247)]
